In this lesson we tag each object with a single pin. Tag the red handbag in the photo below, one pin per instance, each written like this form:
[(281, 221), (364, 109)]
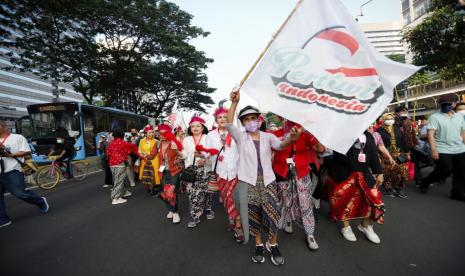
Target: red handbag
[(411, 170)]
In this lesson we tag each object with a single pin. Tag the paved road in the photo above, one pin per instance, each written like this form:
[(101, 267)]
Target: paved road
[(85, 235)]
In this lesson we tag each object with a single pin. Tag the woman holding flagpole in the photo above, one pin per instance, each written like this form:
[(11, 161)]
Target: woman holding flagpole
[(257, 191), (194, 156), (293, 174), (224, 167)]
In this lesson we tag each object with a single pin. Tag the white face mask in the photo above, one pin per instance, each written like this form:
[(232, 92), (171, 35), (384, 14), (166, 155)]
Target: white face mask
[(389, 122)]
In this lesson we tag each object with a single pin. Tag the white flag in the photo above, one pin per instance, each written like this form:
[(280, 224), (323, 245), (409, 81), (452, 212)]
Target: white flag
[(322, 72), (175, 118)]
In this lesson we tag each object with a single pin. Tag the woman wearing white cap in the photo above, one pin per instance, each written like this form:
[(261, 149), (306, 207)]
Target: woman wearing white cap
[(257, 188)]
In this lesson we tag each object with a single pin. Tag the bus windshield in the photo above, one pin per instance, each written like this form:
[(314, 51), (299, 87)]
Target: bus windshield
[(49, 124)]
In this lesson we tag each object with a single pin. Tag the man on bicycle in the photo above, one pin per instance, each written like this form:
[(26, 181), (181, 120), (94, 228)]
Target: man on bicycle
[(64, 151)]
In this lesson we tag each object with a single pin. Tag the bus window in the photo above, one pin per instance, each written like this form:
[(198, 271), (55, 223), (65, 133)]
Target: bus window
[(46, 123), (101, 121)]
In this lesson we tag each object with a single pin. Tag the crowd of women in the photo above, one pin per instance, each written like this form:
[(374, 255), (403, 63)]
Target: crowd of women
[(267, 179)]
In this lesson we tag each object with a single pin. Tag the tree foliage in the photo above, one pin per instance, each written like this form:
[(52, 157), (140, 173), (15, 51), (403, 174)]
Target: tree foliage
[(439, 41), (134, 54)]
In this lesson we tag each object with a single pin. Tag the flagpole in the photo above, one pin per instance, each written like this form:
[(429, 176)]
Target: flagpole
[(247, 75)]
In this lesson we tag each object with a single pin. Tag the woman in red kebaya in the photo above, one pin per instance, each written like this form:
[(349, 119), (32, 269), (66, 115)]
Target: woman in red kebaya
[(292, 169), (169, 155)]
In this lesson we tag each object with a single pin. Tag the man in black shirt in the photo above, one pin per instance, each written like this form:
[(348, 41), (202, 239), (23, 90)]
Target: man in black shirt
[(64, 150)]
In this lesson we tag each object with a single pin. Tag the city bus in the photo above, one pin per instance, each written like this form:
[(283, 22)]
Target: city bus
[(85, 123)]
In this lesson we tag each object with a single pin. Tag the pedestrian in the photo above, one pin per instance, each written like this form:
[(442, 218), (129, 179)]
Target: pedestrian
[(295, 185), (132, 158), (396, 175), (149, 165), (446, 136), (102, 148), (118, 155), (223, 169), (170, 158), (180, 134), (13, 149), (256, 193), (199, 198), (353, 191)]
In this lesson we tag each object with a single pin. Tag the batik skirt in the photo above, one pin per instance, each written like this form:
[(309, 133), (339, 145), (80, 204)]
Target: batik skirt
[(353, 199), (148, 175), (227, 196), (395, 176), (296, 202), (264, 208), (199, 196)]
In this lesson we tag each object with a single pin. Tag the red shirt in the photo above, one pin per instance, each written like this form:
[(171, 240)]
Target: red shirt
[(118, 151), (304, 154)]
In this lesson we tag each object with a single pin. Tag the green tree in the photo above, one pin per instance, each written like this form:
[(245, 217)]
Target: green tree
[(119, 50), (439, 41)]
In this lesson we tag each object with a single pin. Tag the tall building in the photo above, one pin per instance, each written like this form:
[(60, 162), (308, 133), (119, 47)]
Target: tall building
[(20, 89), (385, 37), (413, 13)]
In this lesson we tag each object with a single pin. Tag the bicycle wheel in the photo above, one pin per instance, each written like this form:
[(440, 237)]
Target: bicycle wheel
[(79, 171), (46, 178)]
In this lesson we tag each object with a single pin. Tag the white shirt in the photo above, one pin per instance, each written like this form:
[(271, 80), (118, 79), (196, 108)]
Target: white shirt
[(227, 165), (188, 150), (14, 143), (248, 161)]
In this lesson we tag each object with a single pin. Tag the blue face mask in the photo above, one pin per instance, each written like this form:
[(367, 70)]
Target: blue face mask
[(446, 107)]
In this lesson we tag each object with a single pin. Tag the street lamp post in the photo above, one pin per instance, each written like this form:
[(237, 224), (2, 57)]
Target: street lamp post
[(56, 92)]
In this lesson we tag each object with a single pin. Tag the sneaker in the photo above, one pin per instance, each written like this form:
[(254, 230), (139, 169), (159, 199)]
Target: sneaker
[(348, 234), (127, 194), (193, 223), (210, 214), (400, 193), (288, 227), (423, 188), (176, 218), (369, 233), (238, 235), (118, 201), (106, 186), (5, 224), (312, 244), (132, 184), (276, 257), (259, 254), (45, 207), (170, 215), (390, 193)]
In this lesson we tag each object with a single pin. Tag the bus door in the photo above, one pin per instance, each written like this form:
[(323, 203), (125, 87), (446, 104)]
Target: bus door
[(89, 132)]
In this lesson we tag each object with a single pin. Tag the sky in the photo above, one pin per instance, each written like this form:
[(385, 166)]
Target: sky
[(240, 29)]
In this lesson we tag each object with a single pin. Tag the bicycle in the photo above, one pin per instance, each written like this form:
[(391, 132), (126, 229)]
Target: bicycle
[(48, 176)]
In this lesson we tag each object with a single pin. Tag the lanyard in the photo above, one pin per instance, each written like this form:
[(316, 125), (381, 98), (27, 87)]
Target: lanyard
[(4, 139), (197, 142)]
